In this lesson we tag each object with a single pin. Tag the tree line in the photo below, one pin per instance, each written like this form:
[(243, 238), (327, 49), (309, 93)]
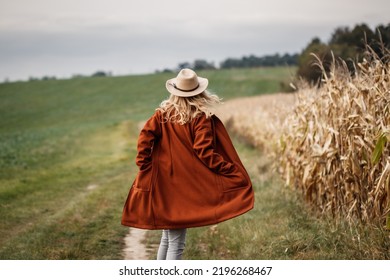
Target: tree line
[(348, 44), (244, 62), (263, 61), (345, 43)]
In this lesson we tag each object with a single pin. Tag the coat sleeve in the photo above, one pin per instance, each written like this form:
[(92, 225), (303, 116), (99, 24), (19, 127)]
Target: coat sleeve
[(205, 150), (149, 134)]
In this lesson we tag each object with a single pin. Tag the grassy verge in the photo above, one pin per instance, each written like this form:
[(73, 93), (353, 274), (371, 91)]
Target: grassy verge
[(70, 210)]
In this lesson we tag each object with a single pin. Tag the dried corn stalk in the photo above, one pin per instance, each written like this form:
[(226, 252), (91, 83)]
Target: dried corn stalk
[(335, 146)]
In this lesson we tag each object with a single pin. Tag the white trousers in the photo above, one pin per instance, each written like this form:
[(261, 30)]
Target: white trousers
[(172, 244)]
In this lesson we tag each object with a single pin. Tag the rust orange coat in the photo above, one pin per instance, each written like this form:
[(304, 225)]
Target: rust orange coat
[(189, 175)]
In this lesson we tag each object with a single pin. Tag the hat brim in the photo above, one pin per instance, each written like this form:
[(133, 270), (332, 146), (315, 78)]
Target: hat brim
[(203, 83)]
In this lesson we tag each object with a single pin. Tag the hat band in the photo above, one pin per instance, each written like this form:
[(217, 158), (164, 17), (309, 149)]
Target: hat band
[(185, 90)]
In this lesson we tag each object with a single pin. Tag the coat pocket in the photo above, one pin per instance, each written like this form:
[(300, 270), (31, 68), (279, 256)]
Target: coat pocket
[(233, 181), (143, 180)]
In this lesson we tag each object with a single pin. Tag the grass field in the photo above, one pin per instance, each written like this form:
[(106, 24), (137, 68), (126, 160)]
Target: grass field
[(67, 151)]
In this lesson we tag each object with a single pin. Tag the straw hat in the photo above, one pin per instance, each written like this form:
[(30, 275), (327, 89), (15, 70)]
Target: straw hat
[(187, 84)]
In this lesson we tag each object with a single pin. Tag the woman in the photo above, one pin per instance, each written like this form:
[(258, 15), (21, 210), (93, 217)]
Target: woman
[(189, 172)]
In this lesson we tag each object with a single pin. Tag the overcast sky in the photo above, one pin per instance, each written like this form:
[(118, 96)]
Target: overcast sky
[(67, 37)]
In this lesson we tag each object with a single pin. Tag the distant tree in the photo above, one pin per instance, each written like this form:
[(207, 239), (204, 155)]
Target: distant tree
[(99, 74), (360, 36), (264, 61), (357, 37), (289, 60), (46, 78), (307, 62), (167, 70), (347, 44), (383, 34), (231, 63), (184, 65), (201, 64), (340, 36)]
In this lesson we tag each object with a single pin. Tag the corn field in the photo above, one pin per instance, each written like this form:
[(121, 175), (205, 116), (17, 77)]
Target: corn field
[(335, 145), (257, 120), (331, 142)]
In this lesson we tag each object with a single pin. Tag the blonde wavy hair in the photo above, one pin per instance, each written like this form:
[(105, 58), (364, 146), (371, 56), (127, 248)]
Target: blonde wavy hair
[(184, 109)]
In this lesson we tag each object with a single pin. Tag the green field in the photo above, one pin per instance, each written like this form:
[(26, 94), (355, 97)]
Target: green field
[(67, 150)]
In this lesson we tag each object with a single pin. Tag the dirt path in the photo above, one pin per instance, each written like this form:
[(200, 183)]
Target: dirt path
[(135, 248)]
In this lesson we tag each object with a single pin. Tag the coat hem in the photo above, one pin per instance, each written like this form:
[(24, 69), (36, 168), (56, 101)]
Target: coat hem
[(159, 227)]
